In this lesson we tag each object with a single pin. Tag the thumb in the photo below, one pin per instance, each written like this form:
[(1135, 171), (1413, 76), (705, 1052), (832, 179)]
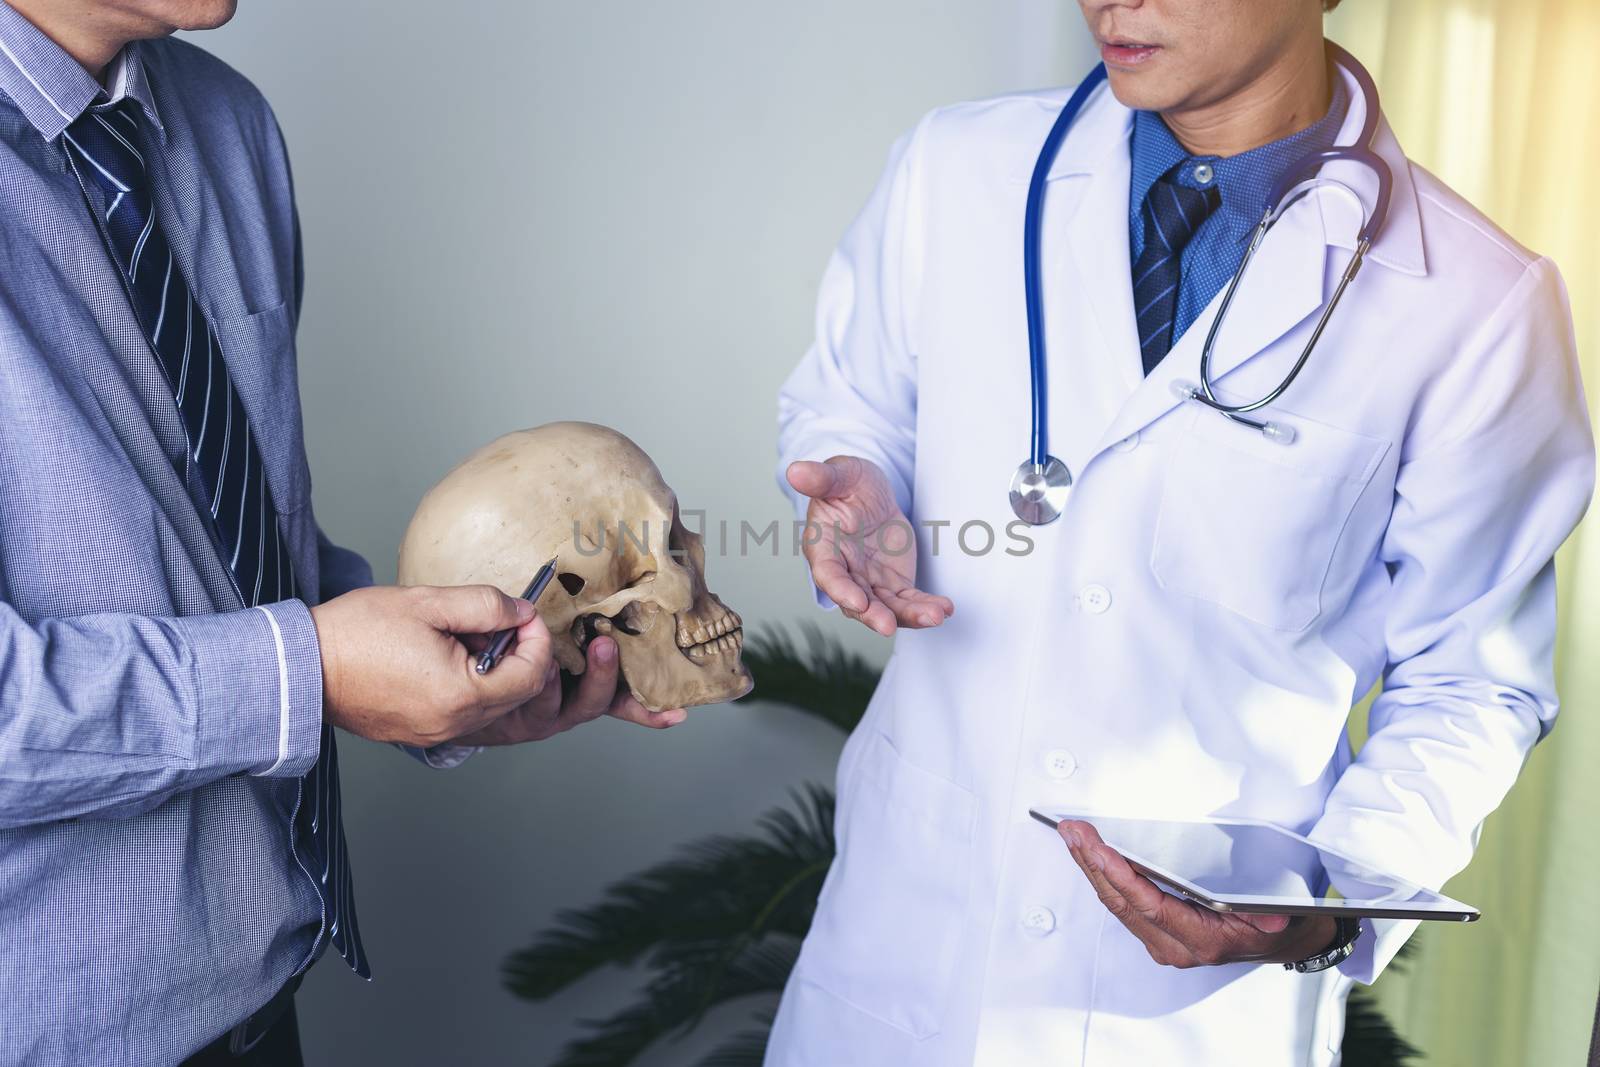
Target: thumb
[(526, 669), (476, 609), (822, 481), (1267, 924)]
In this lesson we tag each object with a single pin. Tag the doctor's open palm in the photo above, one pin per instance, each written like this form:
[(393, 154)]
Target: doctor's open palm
[(861, 548)]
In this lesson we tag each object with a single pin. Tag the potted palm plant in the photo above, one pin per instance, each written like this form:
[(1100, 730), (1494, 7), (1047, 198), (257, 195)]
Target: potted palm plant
[(721, 923)]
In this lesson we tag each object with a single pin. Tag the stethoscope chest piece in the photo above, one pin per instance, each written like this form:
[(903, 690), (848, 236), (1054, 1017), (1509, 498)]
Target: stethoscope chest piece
[(1039, 491)]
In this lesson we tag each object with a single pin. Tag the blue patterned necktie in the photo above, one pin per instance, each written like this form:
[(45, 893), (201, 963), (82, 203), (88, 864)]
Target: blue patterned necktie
[(1172, 213), (104, 147)]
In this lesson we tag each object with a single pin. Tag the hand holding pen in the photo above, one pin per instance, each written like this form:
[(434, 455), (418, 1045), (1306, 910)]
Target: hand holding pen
[(498, 644), (394, 669)]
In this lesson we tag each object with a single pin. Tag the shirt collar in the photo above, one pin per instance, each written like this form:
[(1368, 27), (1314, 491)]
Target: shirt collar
[(52, 89), (1245, 180)]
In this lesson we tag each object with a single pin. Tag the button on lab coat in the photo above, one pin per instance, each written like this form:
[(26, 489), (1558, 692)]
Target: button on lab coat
[(1188, 638)]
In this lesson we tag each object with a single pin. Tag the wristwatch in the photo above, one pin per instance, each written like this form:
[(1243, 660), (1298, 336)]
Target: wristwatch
[(1345, 932)]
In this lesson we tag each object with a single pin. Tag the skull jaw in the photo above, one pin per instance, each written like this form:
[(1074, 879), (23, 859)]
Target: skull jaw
[(660, 675)]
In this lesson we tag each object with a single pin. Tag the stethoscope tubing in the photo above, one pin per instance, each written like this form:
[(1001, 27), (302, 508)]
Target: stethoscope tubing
[(1283, 193), (1032, 239)]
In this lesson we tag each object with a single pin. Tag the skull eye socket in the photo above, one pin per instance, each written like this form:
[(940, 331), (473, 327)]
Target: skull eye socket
[(572, 583)]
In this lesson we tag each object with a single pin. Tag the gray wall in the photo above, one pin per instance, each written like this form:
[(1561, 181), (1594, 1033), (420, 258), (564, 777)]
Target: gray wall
[(614, 210)]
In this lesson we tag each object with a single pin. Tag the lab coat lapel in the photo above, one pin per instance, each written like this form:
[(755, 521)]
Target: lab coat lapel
[(1097, 241), (1399, 243)]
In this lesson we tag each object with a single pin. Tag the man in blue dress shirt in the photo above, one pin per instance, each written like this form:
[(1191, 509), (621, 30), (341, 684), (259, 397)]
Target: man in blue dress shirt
[(177, 637)]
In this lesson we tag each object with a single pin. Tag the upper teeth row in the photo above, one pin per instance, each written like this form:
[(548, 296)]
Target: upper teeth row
[(732, 642), (707, 632)]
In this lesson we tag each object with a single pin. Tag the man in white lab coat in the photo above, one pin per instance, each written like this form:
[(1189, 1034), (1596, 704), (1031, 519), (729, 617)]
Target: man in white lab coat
[(1188, 638)]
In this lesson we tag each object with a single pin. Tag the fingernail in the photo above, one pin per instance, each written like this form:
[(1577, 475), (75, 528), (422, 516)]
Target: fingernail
[(605, 651), (675, 717), (1073, 840), (524, 610)]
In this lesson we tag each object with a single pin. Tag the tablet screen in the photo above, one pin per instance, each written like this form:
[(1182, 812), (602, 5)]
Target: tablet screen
[(1244, 864)]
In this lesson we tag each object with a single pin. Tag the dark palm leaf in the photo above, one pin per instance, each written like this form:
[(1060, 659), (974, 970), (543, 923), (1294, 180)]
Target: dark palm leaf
[(825, 679), (623, 1037), (672, 1001), (748, 1048), (1369, 1038), (725, 891)]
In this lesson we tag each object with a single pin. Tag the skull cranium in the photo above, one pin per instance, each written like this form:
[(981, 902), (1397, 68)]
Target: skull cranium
[(628, 567)]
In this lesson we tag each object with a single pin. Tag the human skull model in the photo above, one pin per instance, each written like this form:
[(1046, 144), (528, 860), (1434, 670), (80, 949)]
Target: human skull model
[(627, 567)]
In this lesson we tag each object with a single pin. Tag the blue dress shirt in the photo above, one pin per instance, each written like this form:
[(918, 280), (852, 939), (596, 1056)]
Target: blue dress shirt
[(1245, 182), (153, 730)]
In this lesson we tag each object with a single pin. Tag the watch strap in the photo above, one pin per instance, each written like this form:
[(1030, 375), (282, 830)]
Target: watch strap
[(1345, 932)]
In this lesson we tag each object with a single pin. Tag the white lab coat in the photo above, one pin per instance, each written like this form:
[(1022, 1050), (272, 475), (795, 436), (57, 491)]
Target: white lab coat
[(1188, 638)]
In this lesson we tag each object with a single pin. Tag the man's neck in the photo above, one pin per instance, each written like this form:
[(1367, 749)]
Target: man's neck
[(1291, 94), (81, 31)]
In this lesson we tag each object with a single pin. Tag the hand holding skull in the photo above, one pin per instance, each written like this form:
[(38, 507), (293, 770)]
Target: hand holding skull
[(629, 574)]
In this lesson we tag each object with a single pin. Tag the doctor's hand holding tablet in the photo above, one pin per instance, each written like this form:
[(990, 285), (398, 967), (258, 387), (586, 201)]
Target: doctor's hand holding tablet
[(1179, 933)]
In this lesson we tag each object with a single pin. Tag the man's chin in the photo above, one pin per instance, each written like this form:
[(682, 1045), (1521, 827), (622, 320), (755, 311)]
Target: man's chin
[(1138, 96), (203, 14), (1142, 90)]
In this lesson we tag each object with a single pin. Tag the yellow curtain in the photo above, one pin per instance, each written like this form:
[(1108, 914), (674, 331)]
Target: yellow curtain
[(1501, 99)]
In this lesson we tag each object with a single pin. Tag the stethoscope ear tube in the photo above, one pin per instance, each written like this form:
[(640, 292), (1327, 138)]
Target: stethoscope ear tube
[(1204, 393), (1306, 167)]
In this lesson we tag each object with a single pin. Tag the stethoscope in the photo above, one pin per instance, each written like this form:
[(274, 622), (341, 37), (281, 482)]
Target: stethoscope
[(1042, 483)]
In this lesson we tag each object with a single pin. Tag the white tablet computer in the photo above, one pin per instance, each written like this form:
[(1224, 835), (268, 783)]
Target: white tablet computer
[(1249, 866)]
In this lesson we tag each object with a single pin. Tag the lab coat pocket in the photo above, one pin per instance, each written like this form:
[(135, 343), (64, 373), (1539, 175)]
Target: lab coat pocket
[(887, 935), (1251, 524)]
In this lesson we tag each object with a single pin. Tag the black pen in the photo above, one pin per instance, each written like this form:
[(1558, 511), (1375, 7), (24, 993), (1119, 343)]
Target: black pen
[(497, 648)]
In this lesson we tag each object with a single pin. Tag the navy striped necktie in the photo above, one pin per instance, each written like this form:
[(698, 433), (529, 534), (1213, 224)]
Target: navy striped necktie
[(1172, 213), (105, 147)]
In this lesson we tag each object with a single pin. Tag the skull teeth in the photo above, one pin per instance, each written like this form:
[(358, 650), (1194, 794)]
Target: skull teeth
[(723, 634)]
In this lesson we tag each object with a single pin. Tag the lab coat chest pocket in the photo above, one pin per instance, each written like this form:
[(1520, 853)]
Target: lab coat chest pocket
[(887, 934), (1250, 524)]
